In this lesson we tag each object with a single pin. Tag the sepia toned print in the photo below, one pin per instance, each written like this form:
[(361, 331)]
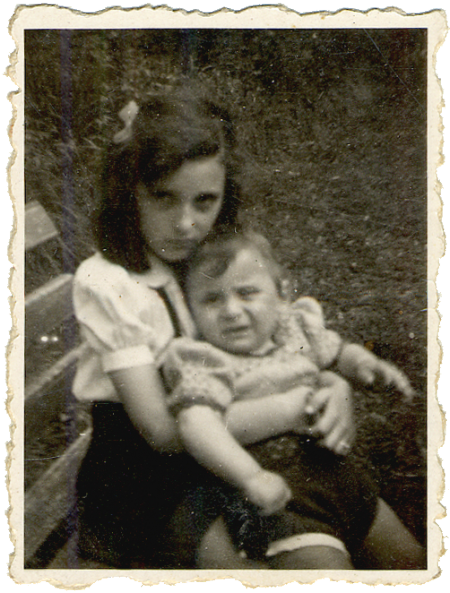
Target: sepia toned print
[(144, 139)]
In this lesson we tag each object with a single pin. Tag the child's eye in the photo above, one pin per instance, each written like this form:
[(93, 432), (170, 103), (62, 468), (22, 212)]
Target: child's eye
[(211, 299), (247, 293)]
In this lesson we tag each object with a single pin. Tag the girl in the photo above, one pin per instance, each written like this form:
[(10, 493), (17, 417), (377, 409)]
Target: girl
[(255, 344), (169, 181)]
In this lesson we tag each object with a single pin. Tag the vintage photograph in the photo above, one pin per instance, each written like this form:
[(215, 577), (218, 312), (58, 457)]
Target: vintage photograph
[(226, 316)]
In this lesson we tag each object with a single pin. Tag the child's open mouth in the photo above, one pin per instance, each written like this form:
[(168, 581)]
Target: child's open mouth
[(236, 332)]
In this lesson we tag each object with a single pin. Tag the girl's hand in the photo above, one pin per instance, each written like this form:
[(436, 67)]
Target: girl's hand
[(358, 363), (268, 491), (332, 405)]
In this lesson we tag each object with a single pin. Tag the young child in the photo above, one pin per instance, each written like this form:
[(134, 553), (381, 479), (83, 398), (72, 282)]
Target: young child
[(254, 344)]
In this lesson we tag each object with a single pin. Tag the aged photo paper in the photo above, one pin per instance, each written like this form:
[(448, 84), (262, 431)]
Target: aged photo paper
[(335, 127)]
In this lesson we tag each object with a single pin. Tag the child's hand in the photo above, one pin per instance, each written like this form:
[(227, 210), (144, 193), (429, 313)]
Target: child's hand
[(358, 363), (268, 491), (331, 406), (383, 374)]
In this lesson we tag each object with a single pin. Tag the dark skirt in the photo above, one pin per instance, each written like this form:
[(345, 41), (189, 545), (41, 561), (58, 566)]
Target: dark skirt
[(130, 508), (138, 508)]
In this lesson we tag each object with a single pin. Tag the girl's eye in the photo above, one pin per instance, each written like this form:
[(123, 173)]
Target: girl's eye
[(164, 200), (205, 201)]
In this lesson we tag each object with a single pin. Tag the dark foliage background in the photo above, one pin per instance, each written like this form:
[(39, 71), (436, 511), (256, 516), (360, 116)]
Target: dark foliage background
[(331, 129)]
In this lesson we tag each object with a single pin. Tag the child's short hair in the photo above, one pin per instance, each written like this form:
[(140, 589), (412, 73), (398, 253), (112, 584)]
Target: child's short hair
[(166, 131), (217, 252)]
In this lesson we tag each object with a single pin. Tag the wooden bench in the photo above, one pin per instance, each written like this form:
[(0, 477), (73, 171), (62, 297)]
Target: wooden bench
[(57, 428)]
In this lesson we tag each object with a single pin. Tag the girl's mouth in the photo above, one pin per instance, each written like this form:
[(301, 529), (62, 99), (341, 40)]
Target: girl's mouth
[(176, 249), (181, 244)]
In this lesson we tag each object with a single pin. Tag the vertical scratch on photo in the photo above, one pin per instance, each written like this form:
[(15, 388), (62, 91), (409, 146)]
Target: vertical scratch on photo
[(387, 63)]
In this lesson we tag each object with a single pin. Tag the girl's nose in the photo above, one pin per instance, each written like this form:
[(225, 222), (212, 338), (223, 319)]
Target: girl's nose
[(186, 221)]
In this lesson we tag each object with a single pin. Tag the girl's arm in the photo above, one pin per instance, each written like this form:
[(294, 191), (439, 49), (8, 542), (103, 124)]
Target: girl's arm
[(333, 406), (142, 393), (209, 442), (254, 420)]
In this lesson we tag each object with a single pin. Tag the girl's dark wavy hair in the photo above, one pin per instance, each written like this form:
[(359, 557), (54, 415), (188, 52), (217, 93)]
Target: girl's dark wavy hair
[(166, 132)]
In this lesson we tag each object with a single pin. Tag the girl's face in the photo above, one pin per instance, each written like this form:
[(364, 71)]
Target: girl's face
[(239, 310), (179, 211)]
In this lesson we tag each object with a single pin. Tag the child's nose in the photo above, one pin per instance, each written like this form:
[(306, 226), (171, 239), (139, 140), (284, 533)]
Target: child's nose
[(231, 308)]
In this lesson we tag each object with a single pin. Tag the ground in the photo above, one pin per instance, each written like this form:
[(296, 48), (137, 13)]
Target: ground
[(331, 142)]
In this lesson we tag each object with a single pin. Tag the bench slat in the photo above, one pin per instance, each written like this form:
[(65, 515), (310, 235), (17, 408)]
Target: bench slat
[(47, 307), (50, 498), (39, 227), (40, 384)]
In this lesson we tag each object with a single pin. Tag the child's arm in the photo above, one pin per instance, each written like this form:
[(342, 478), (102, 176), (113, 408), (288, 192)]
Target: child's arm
[(358, 363), (209, 442), (353, 361)]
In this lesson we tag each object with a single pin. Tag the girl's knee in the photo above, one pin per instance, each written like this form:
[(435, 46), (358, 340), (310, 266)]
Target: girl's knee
[(390, 545)]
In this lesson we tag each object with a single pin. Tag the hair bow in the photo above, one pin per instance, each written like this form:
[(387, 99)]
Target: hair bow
[(127, 115)]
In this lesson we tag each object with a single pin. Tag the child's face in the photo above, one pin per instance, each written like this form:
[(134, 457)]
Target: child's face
[(237, 311), (179, 211)]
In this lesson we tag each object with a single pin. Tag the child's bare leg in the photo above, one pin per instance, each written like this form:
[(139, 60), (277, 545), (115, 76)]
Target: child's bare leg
[(216, 550), (389, 545), (312, 557)]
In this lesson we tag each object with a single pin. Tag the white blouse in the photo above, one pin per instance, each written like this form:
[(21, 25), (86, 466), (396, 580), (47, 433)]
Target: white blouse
[(124, 321)]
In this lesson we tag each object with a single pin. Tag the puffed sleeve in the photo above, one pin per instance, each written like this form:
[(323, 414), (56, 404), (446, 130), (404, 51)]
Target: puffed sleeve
[(325, 344), (196, 373), (123, 320)]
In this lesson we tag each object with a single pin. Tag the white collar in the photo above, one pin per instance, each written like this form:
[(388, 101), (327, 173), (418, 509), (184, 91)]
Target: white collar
[(266, 348), (159, 275)]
